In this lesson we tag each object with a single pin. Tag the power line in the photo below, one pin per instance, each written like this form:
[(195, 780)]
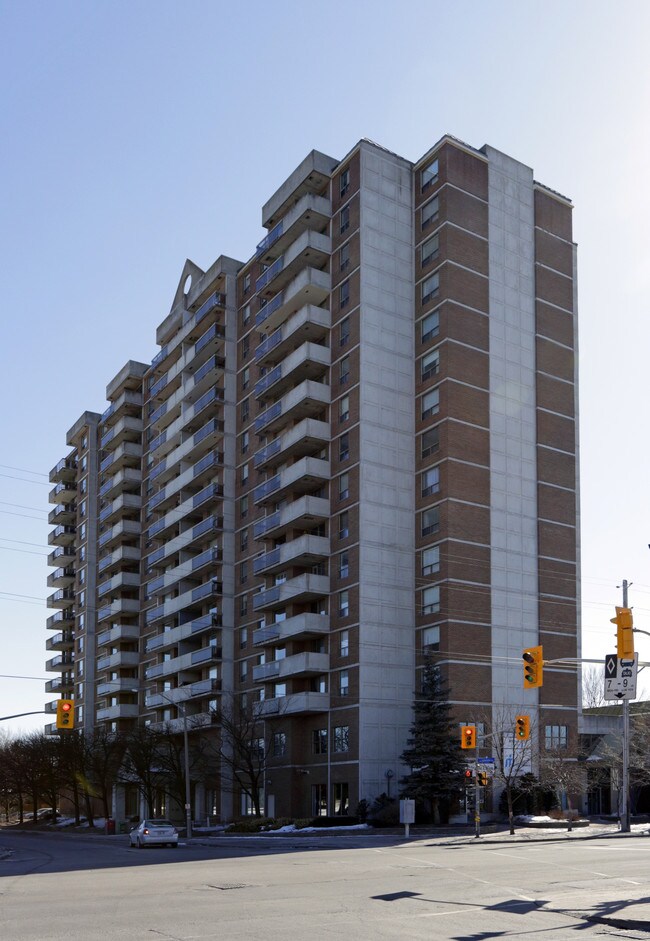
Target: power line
[(24, 470), (20, 506), (44, 483)]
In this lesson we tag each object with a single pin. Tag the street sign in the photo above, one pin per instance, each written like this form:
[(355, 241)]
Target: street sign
[(620, 677), (485, 761)]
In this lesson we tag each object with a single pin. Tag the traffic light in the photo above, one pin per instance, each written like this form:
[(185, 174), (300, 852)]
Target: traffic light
[(468, 736), (533, 667), (65, 714), (522, 727), (624, 635), (468, 776), (483, 778)]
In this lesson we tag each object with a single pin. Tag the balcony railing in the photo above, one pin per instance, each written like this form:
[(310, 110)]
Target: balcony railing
[(274, 304), (272, 237), (270, 273)]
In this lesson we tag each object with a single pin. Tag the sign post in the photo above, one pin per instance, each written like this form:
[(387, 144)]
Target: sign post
[(407, 814)]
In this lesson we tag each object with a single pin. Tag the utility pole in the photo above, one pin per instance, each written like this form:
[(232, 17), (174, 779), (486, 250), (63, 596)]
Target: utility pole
[(625, 802)]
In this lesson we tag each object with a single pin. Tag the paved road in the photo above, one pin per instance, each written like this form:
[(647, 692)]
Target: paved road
[(78, 888)]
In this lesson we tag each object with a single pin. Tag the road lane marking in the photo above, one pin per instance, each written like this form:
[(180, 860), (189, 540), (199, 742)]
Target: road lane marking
[(453, 911)]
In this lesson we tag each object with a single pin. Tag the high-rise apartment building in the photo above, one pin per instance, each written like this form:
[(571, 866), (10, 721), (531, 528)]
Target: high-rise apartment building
[(355, 450)]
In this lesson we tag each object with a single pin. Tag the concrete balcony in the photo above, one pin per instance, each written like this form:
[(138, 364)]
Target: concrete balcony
[(188, 661), (197, 720), (310, 212), (122, 557), (61, 619), (199, 536), (309, 248), (122, 659), (64, 492), (203, 594), (62, 684), (188, 569), (61, 578), (305, 551), (300, 664), (308, 399), (128, 403), (63, 513), (189, 511), (127, 504), (123, 607), (311, 286), (64, 640), (309, 436), (295, 704), (193, 448), (62, 556), (60, 664), (183, 693), (62, 598), (121, 633), (192, 478), (307, 474), (305, 626), (311, 176), (121, 711), (309, 361), (65, 469), (125, 531), (127, 480), (113, 687), (62, 536), (207, 622), (126, 580), (302, 588), (304, 513), (128, 428), (309, 324), (127, 454)]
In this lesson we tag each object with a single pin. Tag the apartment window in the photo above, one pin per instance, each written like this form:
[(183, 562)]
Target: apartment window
[(244, 473), (430, 441), (431, 600), (243, 637), (430, 481), (431, 638), (83, 508), (245, 346), (344, 182), (243, 572), (344, 525), (556, 736), (344, 408), (344, 332), (82, 576), (344, 220), (247, 283), (246, 314), (279, 690), (344, 486), (245, 441), (342, 737), (430, 325), (430, 211), (344, 604), (83, 486), (344, 643), (430, 521), (344, 257), (82, 599), (279, 744), (82, 554), (430, 174), (344, 370), (243, 669), (245, 410), (243, 507), (344, 447), (319, 800), (319, 741), (243, 605), (430, 287), (430, 403), (243, 540), (344, 565), (344, 689), (430, 364), (82, 531), (430, 560), (344, 293), (245, 377), (430, 249)]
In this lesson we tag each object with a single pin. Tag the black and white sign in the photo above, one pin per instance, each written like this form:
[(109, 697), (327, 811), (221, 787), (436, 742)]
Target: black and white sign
[(620, 677)]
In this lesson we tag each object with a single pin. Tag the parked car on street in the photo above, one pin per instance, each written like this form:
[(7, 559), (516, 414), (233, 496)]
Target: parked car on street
[(154, 832)]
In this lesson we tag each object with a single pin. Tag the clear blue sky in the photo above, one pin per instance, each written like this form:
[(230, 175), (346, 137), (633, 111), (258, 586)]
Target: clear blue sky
[(137, 134)]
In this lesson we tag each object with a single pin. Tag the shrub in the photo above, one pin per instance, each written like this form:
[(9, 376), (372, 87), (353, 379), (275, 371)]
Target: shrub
[(334, 821), (250, 824)]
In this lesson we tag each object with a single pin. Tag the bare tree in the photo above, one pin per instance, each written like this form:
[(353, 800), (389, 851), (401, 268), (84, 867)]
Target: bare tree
[(563, 771), (243, 747), (512, 755), (593, 686)]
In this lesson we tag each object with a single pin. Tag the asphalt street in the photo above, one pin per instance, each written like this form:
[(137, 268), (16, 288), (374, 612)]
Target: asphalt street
[(365, 887)]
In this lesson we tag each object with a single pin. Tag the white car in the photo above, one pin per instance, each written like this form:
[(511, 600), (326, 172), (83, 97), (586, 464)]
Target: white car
[(152, 832)]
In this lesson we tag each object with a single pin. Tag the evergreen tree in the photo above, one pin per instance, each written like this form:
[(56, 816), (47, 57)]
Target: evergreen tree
[(433, 752)]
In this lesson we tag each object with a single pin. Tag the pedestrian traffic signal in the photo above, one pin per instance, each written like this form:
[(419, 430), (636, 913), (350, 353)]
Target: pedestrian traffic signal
[(522, 727), (624, 635), (65, 714), (533, 667), (483, 778), (469, 774), (468, 736)]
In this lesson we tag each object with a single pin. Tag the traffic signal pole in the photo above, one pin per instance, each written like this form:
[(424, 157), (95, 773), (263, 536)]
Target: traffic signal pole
[(477, 797), (625, 797)]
